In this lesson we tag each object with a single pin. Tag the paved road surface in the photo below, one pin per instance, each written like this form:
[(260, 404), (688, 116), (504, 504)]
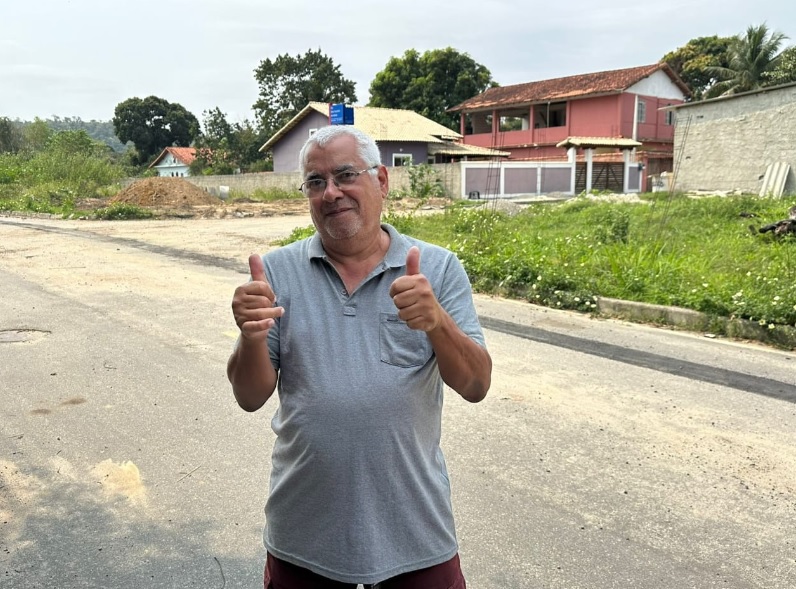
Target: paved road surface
[(606, 455)]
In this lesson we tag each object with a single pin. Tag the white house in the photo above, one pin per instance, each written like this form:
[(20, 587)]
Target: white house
[(174, 161)]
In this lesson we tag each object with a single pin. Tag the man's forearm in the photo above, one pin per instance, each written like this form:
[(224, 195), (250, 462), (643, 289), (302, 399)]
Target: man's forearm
[(251, 373), (464, 365)]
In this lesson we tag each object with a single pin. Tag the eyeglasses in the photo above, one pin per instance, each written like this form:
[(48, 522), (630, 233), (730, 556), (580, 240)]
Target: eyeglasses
[(317, 186)]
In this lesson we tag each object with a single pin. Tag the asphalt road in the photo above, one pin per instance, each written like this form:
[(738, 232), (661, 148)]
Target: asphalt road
[(606, 455)]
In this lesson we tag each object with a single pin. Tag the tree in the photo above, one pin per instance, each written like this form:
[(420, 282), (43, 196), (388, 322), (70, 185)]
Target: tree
[(76, 142), (152, 124), (224, 147), (785, 71), (430, 83), (751, 57), (99, 130), (693, 60), (288, 83), (36, 134), (10, 136)]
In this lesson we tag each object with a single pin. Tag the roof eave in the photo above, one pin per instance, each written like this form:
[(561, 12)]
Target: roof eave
[(287, 127), (543, 101)]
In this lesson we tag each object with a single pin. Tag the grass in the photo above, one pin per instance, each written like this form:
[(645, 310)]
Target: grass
[(53, 181), (698, 254)]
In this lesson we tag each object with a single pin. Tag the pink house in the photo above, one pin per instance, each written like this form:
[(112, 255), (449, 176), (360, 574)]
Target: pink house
[(531, 120)]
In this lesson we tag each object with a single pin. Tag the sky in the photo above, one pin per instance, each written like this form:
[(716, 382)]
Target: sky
[(80, 58)]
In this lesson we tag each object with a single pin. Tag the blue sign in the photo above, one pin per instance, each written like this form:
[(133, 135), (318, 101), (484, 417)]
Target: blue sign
[(341, 114)]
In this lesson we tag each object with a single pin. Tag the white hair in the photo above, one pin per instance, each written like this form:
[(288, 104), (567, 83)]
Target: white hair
[(366, 146)]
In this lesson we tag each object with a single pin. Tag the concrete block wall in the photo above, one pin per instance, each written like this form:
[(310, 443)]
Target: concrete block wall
[(730, 142)]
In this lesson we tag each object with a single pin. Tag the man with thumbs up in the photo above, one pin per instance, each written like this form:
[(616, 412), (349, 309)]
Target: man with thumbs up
[(358, 327)]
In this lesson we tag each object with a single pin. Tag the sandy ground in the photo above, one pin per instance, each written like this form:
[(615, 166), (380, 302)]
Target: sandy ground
[(698, 471)]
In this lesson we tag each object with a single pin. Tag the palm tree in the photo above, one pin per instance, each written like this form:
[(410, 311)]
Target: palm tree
[(750, 57)]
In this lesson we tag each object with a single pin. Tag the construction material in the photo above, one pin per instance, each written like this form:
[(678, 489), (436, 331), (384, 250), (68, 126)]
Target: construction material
[(774, 179)]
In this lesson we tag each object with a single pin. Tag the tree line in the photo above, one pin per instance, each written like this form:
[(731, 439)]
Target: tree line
[(429, 84)]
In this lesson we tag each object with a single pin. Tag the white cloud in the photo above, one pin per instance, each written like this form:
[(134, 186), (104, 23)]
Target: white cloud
[(82, 57)]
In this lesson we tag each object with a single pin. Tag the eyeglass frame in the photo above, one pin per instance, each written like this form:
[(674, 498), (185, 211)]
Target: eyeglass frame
[(335, 181)]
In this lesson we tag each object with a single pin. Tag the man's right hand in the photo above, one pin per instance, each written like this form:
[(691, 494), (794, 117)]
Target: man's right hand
[(253, 303)]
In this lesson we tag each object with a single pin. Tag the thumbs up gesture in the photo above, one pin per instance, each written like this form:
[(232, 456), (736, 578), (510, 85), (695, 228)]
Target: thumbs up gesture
[(253, 303), (413, 296)]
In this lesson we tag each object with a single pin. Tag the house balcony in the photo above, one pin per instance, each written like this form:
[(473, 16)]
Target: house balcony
[(546, 136)]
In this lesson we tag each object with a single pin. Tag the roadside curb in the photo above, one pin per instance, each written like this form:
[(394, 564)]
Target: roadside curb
[(781, 336)]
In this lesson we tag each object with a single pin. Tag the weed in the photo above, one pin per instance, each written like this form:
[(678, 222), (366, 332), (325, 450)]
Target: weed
[(121, 210)]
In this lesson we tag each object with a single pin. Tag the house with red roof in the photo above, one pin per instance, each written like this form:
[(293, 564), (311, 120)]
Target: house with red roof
[(608, 111), (174, 161)]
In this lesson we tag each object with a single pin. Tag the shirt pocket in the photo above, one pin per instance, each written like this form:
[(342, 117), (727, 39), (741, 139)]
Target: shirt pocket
[(401, 346)]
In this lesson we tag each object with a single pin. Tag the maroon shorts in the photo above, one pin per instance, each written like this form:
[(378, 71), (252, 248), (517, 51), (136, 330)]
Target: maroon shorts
[(283, 575)]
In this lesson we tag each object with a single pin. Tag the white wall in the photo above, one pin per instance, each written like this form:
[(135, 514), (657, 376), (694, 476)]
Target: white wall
[(658, 84), (170, 166)]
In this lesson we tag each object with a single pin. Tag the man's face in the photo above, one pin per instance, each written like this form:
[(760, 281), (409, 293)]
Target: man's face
[(345, 212)]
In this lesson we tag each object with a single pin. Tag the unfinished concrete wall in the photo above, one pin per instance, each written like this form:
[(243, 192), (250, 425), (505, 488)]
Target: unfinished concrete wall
[(729, 142)]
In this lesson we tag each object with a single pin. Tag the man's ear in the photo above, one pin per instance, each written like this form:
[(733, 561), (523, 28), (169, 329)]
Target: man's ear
[(384, 181)]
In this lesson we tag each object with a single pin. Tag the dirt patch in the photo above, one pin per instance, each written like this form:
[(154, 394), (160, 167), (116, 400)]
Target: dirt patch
[(164, 193)]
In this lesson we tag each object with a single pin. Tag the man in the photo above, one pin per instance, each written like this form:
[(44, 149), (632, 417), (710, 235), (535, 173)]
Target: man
[(359, 341)]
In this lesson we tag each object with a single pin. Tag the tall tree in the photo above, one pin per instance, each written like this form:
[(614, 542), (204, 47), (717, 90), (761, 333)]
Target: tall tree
[(152, 124), (430, 83), (693, 60), (36, 134), (288, 83), (10, 136), (785, 71), (751, 57)]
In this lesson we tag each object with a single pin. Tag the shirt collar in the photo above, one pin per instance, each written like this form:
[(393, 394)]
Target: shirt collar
[(394, 258)]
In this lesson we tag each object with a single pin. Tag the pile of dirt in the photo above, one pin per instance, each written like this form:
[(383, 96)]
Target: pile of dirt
[(162, 192)]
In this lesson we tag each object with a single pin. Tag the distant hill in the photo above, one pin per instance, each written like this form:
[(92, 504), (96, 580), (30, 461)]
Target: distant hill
[(97, 130)]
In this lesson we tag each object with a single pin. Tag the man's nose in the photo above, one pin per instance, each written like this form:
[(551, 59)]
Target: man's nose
[(332, 191)]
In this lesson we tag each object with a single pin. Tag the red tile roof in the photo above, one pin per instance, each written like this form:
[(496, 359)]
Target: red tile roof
[(184, 155), (580, 86)]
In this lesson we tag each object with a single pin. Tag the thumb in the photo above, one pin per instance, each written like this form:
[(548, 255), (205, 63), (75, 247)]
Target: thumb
[(256, 268), (413, 261)]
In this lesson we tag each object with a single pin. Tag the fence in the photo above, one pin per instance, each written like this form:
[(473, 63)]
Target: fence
[(507, 179)]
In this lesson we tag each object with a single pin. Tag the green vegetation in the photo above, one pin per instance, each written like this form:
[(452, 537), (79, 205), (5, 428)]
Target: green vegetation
[(70, 166), (720, 66), (122, 211), (297, 234), (698, 254), (430, 83)]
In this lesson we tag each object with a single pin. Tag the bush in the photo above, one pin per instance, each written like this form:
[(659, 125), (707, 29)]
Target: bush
[(121, 210)]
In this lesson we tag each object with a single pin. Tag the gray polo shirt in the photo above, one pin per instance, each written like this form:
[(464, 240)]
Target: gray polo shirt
[(359, 488)]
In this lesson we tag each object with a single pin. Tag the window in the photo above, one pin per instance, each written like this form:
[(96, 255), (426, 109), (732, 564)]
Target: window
[(642, 111), (669, 117), (551, 114), (401, 159)]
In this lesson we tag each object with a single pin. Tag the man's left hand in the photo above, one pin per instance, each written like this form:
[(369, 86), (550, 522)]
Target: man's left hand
[(413, 296)]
